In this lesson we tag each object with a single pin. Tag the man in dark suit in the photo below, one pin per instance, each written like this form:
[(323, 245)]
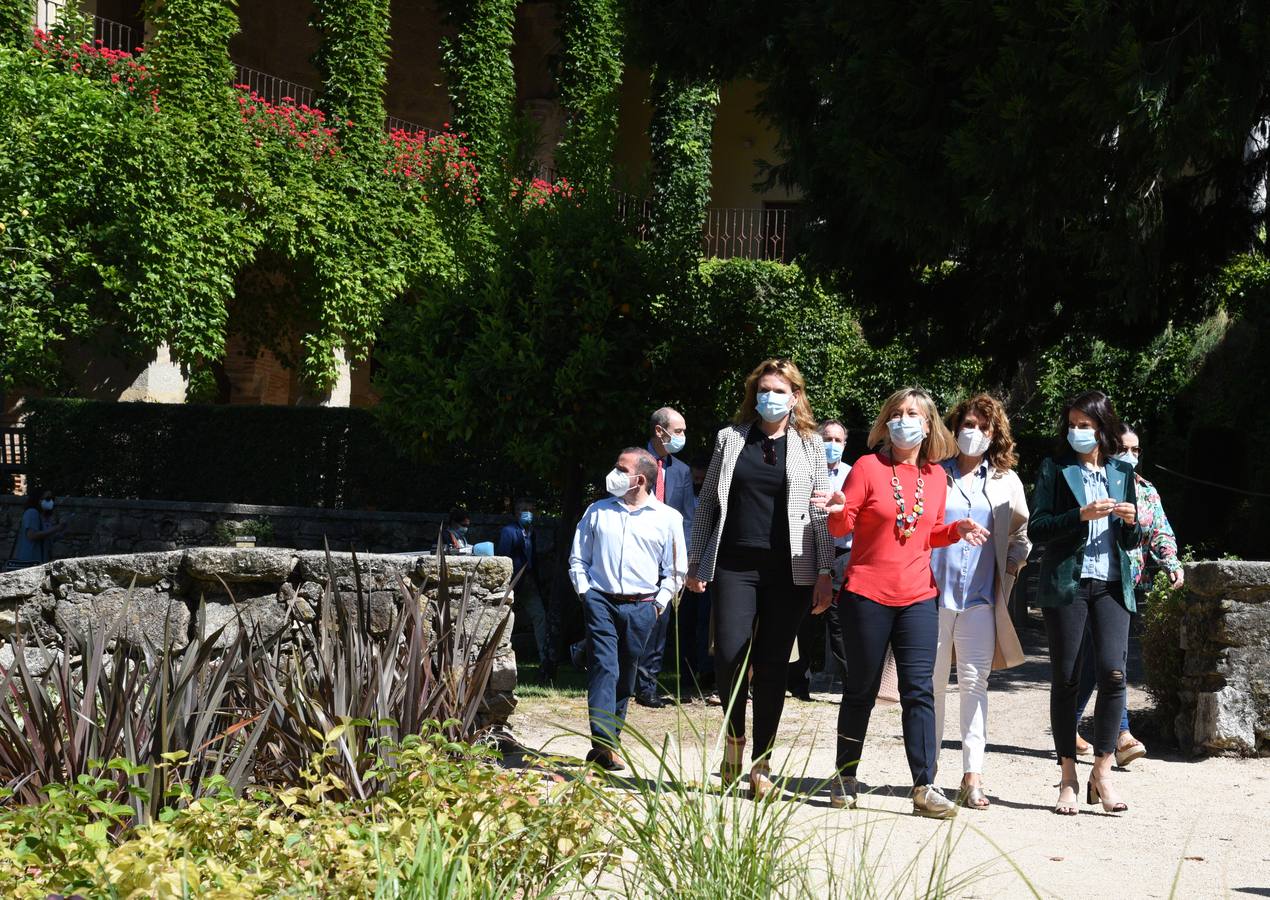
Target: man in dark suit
[(674, 488), (516, 542)]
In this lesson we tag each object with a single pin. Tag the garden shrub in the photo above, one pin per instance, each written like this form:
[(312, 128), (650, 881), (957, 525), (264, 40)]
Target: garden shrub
[(450, 806), (1162, 654)]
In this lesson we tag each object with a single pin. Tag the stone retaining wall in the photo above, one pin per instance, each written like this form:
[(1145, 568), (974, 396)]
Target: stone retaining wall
[(1225, 696), (155, 597), (105, 525)]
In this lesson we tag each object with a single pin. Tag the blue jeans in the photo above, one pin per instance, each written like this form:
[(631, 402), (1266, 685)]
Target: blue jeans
[(1089, 679), (651, 660), (913, 634), (618, 633)]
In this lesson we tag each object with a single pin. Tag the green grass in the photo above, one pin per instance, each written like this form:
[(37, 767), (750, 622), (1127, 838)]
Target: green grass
[(569, 682)]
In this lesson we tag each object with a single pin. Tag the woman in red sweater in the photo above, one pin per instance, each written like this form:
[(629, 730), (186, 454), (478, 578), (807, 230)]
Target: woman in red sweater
[(893, 501)]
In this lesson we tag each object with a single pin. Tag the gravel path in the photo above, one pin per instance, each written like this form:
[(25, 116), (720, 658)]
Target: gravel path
[(1205, 823)]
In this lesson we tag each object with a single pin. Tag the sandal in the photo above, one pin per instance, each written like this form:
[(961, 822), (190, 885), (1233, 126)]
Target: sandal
[(1093, 795), (1083, 747), (1129, 750), (972, 796), (1068, 807), (761, 784)]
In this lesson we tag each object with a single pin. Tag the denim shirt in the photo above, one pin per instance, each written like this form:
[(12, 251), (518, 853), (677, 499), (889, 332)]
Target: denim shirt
[(1102, 557), (966, 575)]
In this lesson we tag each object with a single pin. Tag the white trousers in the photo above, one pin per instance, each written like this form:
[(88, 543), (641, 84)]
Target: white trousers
[(973, 634)]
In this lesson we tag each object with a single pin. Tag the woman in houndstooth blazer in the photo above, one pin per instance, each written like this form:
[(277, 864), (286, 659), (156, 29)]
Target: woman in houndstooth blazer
[(766, 548)]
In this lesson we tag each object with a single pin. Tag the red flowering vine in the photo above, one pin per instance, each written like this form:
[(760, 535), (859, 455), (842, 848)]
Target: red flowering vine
[(298, 125), (440, 162), (118, 67), (540, 191)]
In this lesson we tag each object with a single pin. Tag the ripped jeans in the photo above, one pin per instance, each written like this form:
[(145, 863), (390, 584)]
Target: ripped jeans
[(1098, 604)]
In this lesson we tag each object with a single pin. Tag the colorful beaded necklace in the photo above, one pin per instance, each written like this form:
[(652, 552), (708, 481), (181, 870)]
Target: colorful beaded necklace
[(906, 523)]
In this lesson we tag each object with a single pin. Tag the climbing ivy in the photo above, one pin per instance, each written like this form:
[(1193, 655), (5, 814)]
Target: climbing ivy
[(477, 63), (16, 17), (680, 138), (351, 61), (190, 53), (588, 77)]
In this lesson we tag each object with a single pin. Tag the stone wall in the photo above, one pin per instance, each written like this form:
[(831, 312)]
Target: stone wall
[(104, 525), (1225, 696), (155, 597)]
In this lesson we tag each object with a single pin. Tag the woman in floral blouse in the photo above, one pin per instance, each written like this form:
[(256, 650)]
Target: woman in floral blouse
[(1159, 546)]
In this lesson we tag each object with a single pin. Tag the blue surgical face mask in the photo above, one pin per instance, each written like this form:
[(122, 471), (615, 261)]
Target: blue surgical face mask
[(461, 531), (833, 452), (1082, 440), (773, 406), (526, 518), (46, 505), (906, 432), (674, 443), (1127, 457)]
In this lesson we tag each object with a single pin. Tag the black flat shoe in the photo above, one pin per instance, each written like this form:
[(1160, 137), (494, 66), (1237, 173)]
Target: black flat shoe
[(650, 701), (802, 693)]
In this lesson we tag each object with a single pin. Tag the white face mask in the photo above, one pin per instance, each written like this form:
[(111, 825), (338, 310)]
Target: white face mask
[(973, 442), (46, 505), (617, 483)]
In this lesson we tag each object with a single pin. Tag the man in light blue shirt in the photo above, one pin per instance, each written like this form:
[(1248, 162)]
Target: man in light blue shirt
[(628, 563)]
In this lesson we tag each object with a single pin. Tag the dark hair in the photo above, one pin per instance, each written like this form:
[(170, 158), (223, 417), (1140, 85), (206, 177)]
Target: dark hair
[(1097, 406), (644, 465), (820, 429), (458, 514), (34, 494)]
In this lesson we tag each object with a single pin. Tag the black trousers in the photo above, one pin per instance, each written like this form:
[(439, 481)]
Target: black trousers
[(1099, 606), (757, 611), (913, 634)]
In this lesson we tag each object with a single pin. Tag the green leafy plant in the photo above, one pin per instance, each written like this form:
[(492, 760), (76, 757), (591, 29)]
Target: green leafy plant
[(1162, 655)]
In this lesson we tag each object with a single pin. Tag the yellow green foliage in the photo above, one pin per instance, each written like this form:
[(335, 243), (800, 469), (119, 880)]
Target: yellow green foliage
[(453, 824)]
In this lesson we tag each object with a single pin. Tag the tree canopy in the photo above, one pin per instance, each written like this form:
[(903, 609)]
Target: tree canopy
[(999, 170)]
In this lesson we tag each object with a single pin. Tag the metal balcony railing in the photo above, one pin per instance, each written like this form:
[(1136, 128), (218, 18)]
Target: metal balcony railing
[(271, 88), (112, 35), (747, 233)]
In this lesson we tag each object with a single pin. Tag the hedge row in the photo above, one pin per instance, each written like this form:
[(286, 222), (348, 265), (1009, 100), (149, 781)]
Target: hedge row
[(271, 455)]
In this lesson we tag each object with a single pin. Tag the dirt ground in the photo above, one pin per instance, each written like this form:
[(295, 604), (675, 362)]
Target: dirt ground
[(1202, 824)]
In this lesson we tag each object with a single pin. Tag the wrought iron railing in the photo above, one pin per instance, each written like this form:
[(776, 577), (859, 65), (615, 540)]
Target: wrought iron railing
[(111, 34), (392, 123), (271, 88), (747, 233), (726, 233)]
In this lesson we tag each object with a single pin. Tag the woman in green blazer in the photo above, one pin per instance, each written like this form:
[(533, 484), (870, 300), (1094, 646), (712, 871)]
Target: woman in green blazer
[(1084, 513)]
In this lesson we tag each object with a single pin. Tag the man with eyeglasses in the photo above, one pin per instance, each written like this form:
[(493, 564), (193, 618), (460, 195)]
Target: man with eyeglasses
[(669, 433)]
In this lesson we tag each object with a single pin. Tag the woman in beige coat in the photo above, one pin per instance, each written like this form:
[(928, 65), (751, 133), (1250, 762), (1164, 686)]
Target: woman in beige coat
[(975, 582)]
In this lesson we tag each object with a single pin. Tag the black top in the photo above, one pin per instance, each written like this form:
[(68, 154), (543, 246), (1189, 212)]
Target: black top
[(756, 518)]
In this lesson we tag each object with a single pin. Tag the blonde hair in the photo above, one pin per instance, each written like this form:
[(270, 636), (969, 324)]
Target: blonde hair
[(988, 408), (938, 445), (800, 416)]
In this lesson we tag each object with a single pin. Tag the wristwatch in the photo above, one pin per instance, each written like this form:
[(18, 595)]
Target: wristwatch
[(825, 572)]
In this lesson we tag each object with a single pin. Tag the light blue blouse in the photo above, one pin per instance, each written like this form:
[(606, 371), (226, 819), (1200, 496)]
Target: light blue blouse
[(1102, 559), (965, 575)]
